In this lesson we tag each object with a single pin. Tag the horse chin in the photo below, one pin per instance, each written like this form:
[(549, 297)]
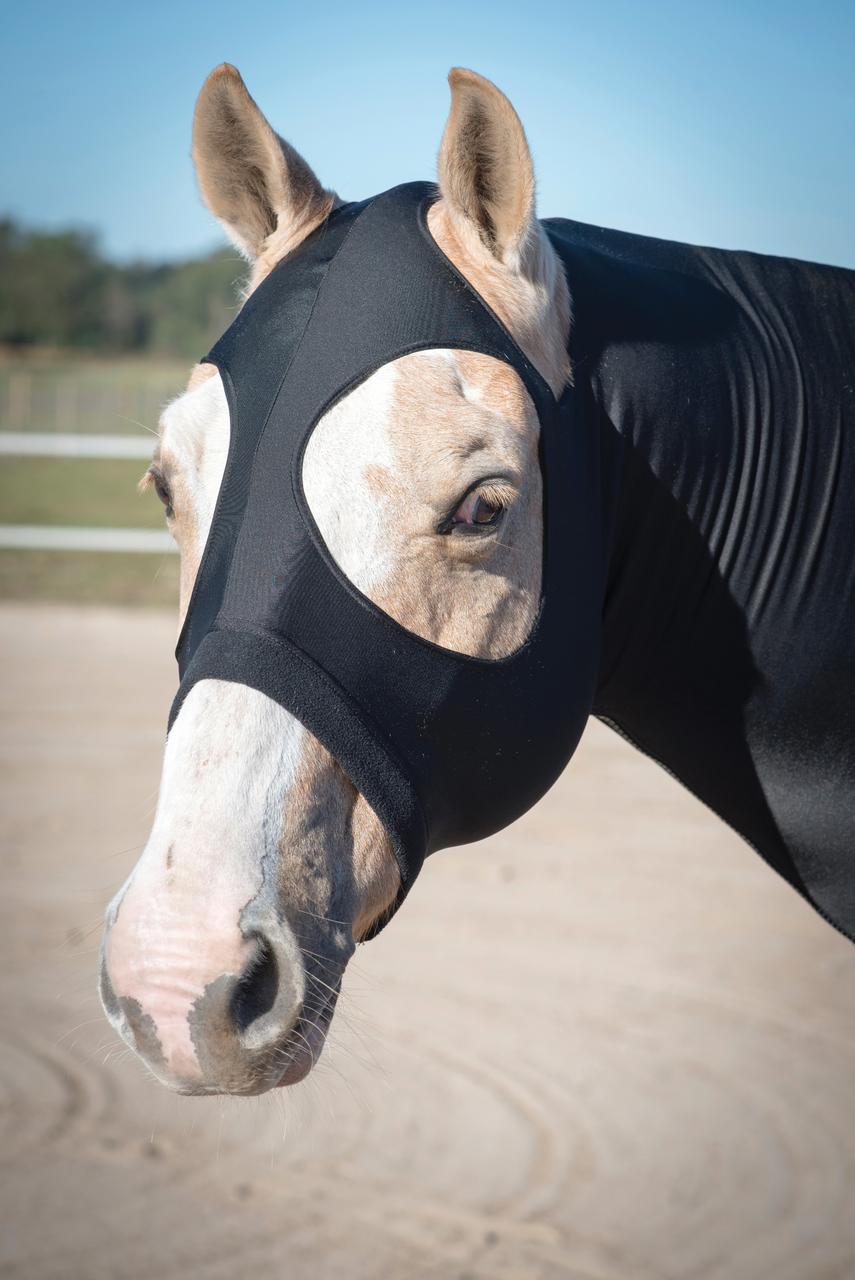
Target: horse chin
[(305, 1045)]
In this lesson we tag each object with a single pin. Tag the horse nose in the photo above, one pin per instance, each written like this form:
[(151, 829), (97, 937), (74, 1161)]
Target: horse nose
[(256, 994), (207, 1013)]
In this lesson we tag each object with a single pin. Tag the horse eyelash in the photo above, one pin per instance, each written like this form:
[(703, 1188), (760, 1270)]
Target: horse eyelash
[(151, 477), (498, 492)]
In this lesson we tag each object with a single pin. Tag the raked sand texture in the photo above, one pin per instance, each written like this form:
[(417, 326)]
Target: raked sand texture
[(606, 1045)]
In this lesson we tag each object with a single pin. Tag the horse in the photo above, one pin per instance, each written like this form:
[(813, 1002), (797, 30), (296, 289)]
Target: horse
[(705, 434)]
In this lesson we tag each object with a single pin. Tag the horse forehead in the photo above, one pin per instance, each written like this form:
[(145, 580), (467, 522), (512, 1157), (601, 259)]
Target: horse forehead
[(398, 400), (190, 422), (441, 379), (427, 402)]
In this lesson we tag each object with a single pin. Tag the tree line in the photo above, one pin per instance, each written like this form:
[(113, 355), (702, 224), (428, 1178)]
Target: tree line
[(57, 289)]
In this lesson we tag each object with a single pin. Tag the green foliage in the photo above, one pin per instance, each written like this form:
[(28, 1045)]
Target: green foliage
[(57, 290)]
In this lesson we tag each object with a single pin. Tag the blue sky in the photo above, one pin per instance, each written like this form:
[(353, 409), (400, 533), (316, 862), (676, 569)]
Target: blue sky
[(721, 123)]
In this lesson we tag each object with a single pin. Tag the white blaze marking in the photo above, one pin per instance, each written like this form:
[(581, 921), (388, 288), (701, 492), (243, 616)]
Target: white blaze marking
[(195, 433), (355, 429), (230, 760)]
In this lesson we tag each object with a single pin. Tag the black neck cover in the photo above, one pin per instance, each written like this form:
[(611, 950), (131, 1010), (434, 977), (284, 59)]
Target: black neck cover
[(698, 573)]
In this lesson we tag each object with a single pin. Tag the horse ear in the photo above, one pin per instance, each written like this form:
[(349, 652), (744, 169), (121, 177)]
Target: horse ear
[(250, 178), (485, 170)]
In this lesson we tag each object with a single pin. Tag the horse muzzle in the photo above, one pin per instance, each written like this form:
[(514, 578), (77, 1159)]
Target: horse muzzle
[(211, 1007)]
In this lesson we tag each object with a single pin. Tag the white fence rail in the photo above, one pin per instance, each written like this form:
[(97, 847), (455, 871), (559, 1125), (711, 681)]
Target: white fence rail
[(32, 537), (38, 444), (57, 537)]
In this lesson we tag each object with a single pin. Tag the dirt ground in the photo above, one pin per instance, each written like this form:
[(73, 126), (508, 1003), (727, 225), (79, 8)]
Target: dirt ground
[(606, 1045)]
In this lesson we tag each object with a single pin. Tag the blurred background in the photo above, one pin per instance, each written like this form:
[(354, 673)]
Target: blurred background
[(607, 1045), (726, 123)]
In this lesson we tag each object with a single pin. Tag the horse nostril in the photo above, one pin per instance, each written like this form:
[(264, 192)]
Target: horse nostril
[(216, 1033), (256, 990)]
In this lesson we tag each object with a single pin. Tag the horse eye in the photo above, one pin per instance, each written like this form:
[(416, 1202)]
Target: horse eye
[(163, 492), (477, 510)]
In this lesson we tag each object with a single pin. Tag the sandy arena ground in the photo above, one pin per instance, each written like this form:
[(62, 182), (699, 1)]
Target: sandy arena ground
[(606, 1045)]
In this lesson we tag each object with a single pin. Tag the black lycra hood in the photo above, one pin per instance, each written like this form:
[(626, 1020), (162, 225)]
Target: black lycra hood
[(698, 542), (446, 748)]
